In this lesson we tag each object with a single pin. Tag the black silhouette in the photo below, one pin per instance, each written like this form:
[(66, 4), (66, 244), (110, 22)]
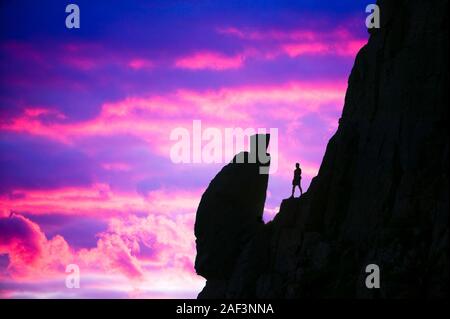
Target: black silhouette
[(297, 179), (230, 212)]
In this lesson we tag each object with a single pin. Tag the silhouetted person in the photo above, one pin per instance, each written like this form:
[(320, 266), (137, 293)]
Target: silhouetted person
[(297, 179)]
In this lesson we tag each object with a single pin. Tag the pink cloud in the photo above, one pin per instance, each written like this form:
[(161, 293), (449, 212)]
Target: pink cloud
[(112, 254), (138, 64), (210, 60), (292, 43), (98, 200), (34, 259), (152, 118), (296, 49), (279, 35), (299, 42), (33, 112), (346, 48), (286, 35), (237, 102), (350, 48), (29, 251), (22, 237)]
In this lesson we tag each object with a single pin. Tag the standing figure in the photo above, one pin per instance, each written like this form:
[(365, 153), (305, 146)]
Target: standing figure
[(297, 179)]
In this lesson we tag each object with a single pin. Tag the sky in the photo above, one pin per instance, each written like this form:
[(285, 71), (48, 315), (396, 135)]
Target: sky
[(86, 115)]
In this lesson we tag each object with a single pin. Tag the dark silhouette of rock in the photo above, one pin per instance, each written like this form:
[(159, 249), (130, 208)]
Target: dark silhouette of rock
[(381, 194), (229, 214)]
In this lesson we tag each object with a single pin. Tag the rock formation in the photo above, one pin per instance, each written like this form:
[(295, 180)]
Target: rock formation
[(229, 214), (381, 194)]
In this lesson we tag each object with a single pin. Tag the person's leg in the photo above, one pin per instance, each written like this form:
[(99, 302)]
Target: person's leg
[(293, 190), (301, 191)]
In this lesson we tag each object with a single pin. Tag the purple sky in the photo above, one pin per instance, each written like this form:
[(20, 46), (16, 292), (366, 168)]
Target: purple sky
[(86, 115)]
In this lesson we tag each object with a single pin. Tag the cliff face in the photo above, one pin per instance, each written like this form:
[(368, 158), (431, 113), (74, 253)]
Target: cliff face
[(381, 195)]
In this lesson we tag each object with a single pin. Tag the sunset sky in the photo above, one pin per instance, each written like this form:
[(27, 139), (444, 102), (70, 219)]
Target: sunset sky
[(86, 115)]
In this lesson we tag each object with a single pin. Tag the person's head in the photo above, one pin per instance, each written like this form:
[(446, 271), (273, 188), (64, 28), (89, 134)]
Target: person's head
[(297, 165)]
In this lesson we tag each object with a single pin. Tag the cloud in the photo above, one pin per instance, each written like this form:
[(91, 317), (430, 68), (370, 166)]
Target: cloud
[(298, 42), (29, 251), (345, 48), (268, 45), (139, 249), (154, 116), (304, 112), (274, 34), (22, 237), (139, 64), (97, 200), (210, 60), (42, 111)]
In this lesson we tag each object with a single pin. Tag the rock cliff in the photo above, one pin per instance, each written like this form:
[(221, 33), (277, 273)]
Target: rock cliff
[(381, 194)]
